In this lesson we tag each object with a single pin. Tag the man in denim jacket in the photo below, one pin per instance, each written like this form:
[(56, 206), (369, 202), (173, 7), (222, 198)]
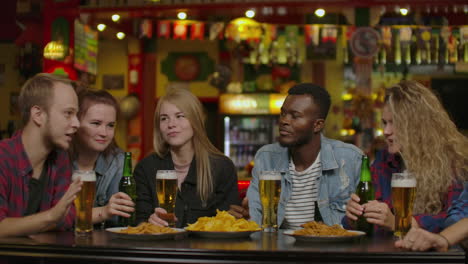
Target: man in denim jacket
[(302, 151)]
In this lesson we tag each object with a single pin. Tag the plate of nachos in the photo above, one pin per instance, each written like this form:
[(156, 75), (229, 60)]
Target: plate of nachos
[(223, 225), (147, 231), (320, 232)]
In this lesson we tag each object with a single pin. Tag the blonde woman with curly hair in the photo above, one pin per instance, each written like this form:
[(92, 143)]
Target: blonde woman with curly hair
[(422, 139), (207, 179)]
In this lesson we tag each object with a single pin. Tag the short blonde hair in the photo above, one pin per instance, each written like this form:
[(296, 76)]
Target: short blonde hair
[(38, 90)]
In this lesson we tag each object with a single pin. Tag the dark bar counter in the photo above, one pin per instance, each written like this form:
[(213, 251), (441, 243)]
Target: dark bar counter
[(104, 247)]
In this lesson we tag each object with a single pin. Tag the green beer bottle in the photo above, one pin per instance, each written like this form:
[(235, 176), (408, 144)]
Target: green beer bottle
[(365, 191), (128, 186)]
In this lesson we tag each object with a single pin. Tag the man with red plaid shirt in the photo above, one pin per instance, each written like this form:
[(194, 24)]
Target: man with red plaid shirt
[(36, 193)]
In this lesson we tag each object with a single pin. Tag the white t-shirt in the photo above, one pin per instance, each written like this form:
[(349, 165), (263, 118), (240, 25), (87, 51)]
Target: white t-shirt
[(301, 206)]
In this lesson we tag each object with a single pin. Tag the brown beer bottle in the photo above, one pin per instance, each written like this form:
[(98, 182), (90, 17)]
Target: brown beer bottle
[(365, 191), (128, 186)]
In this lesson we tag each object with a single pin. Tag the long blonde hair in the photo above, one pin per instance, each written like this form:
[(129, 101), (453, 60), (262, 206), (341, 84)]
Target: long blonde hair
[(189, 104), (431, 146)]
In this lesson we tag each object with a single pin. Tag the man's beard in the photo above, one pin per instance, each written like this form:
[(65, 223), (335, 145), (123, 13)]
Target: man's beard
[(50, 139), (297, 143)]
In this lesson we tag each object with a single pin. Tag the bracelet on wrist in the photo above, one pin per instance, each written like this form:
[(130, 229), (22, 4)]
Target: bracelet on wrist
[(446, 240)]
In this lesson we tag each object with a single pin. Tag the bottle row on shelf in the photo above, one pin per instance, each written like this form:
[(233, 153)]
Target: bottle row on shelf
[(243, 154), (255, 135)]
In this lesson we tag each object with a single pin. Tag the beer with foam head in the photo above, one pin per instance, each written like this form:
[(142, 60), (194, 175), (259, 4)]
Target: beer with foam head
[(84, 202), (270, 190), (166, 191), (403, 194)]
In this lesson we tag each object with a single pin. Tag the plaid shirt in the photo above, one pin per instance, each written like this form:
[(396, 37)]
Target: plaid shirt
[(382, 168), (16, 172), (459, 208)]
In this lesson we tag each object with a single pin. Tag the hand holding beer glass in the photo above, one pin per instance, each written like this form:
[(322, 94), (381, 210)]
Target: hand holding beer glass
[(270, 190), (84, 202), (166, 190), (403, 194)]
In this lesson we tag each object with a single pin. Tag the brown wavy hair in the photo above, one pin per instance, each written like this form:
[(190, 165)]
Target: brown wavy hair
[(86, 99), (193, 111), (431, 146)]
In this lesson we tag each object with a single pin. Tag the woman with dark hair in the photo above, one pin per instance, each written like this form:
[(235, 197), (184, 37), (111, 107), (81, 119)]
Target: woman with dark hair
[(94, 148)]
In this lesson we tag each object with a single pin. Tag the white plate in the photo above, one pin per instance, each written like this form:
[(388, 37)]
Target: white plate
[(158, 236), (310, 238), (211, 234)]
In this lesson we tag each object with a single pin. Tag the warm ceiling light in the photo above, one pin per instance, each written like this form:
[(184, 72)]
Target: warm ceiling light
[(383, 9), (101, 27), (181, 15), (404, 11), (115, 17), (320, 12), (250, 13), (282, 11), (120, 35)]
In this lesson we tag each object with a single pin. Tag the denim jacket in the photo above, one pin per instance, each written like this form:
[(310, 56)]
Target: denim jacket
[(341, 166)]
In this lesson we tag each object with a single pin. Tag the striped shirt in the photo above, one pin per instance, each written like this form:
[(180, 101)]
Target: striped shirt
[(300, 208)]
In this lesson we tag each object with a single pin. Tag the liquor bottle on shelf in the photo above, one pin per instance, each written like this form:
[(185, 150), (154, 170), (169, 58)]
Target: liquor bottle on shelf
[(233, 155), (397, 49), (233, 132), (250, 154), (465, 52), (436, 50), (418, 55), (243, 156), (262, 134), (407, 53), (446, 52), (454, 53), (383, 55)]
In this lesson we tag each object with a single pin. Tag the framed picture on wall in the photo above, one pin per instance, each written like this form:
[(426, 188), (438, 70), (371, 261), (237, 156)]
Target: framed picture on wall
[(113, 81)]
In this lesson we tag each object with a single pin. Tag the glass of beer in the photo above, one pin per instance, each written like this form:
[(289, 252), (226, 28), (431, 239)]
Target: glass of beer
[(84, 202), (166, 190), (270, 190), (403, 193)]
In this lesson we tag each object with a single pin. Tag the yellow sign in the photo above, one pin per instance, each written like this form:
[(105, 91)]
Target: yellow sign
[(276, 101), (251, 103), (243, 28), (54, 50)]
